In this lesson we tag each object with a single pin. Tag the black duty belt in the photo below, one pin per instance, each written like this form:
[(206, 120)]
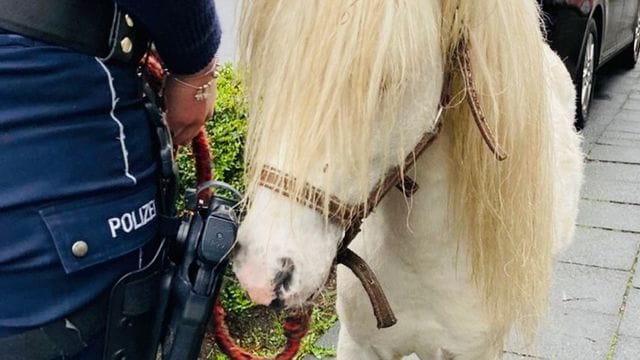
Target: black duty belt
[(98, 27), (66, 336)]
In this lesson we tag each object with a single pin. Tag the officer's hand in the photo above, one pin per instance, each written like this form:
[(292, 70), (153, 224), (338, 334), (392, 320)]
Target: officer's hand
[(185, 113)]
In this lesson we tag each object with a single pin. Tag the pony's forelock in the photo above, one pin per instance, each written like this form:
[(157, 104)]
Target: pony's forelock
[(323, 77)]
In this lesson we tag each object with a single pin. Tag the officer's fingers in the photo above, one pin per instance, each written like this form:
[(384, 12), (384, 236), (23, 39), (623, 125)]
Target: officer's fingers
[(181, 138), (186, 134)]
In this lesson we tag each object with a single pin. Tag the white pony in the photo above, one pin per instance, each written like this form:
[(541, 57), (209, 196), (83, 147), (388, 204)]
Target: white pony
[(339, 93)]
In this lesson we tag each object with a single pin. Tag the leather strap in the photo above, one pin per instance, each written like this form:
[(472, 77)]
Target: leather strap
[(340, 212), (464, 62), (381, 308), (97, 28)]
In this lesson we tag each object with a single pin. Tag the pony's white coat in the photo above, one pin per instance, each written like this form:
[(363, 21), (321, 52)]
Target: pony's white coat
[(440, 313), (415, 247)]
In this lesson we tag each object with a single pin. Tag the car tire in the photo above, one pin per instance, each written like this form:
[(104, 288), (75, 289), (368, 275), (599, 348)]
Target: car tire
[(631, 53), (585, 73)]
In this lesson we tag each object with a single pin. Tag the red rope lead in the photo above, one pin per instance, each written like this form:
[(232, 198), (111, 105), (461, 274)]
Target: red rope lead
[(295, 327), (296, 324), (202, 158)]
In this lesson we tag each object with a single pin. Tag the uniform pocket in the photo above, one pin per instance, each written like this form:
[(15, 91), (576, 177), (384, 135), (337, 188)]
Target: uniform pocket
[(104, 227)]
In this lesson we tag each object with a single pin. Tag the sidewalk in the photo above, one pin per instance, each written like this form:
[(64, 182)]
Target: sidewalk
[(595, 305)]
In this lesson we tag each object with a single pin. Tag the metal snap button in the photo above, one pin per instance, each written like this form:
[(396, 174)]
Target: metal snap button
[(126, 45), (79, 249), (128, 20)]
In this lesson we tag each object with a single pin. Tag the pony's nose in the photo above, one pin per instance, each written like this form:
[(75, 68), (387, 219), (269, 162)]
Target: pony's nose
[(282, 280), (276, 304)]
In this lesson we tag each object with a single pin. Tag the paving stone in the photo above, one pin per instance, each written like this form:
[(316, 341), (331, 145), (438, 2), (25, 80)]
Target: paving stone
[(609, 215), (634, 95), (626, 126), (621, 135), (590, 136), (603, 111), (614, 85), (570, 335), (598, 121), (603, 248), (630, 324), (611, 191), (624, 84), (606, 95), (600, 171), (628, 348), (588, 146), (634, 74), (328, 340), (621, 138), (587, 288), (625, 141), (629, 115), (513, 356), (636, 279), (615, 153), (632, 104)]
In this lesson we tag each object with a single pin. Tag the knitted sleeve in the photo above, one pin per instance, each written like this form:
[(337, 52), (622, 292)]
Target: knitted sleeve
[(185, 32)]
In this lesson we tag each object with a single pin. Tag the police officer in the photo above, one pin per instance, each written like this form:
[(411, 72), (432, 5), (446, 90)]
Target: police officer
[(77, 165)]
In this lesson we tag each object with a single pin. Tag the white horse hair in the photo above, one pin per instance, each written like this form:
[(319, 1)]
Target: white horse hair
[(339, 93)]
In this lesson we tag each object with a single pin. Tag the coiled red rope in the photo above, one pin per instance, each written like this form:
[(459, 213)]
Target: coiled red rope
[(296, 324), (295, 327)]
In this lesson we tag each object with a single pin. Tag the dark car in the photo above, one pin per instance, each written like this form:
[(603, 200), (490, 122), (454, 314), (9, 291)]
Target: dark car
[(588, 33)]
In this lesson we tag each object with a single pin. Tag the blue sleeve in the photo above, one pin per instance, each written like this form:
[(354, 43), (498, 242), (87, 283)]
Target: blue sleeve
[(186, 32)]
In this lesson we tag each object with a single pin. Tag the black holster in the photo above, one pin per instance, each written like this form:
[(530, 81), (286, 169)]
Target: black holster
[(137, 306)]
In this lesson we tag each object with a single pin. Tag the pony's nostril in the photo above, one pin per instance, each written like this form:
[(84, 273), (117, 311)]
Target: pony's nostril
[(276, 304), (283, 277)]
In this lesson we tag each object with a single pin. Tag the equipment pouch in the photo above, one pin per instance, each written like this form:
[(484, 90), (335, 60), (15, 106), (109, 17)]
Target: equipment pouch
[(136, 310)]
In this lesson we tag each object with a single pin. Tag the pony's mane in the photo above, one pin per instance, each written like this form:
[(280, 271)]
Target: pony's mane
[(508, 204), (321, 71)]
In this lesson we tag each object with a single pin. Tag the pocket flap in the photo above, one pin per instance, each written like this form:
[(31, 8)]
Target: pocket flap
[(92, 231)]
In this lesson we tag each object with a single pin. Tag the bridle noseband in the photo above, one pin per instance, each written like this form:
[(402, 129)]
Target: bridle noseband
[(350, 217)]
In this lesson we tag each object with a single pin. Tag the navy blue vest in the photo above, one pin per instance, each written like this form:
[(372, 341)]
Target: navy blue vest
[(77, 180)]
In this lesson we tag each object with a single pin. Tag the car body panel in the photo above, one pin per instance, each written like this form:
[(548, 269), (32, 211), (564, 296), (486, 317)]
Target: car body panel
[(566, 23)]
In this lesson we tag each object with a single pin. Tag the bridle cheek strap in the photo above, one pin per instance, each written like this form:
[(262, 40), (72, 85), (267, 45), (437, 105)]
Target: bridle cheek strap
[(381, 308)]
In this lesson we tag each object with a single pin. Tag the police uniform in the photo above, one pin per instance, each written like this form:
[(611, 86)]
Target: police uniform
[(77, 179)]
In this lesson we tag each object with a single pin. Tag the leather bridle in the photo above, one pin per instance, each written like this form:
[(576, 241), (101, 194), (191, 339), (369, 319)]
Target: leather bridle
[(350, 216)]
